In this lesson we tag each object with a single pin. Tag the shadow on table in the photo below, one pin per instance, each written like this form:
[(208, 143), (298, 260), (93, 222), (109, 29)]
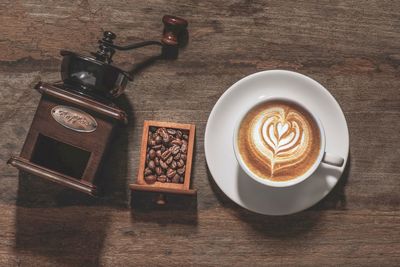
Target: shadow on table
[(288, 226), (336, 199), (62, 227), (179, 209), (57, 225)]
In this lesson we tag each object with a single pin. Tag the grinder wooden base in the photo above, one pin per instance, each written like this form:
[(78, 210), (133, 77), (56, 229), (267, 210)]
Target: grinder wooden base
[(60, 148), (24, 165)]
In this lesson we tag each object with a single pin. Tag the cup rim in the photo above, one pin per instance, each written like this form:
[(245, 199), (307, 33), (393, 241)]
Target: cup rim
[(287, 183)]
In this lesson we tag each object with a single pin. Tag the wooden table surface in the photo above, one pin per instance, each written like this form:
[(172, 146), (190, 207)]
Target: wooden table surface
[(351, 47)]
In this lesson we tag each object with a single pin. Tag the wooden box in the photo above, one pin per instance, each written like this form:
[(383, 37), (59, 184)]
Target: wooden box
[(165, 187), (68, 139)]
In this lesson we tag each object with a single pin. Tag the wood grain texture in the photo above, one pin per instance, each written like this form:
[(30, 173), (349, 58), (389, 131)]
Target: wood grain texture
[(351, 47)]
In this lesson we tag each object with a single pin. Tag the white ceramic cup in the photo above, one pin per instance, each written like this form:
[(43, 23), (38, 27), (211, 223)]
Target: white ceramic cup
[(323, 156)]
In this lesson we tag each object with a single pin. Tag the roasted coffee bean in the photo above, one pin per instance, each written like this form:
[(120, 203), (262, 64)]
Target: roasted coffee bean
[(177, 156), (183, 157), (163, 133), (173, 164), (156, 147), (166, 154), (151, 165), (176, 178), (181, 170), (147, 171), (175, 150), (150, 178), (162, 178), (161, 130), (171, 131), (180, 163), (169, 160), (152, 153), (166, 138), (158, 170), (163, 164), (158, 139), (184, 147), (177, 142), (171, 173), (152, 143)]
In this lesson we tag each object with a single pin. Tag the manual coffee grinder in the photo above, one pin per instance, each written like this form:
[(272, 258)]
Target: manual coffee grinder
[(76, 118)]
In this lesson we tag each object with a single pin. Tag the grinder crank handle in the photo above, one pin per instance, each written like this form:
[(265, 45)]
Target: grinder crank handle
[(173, 28)]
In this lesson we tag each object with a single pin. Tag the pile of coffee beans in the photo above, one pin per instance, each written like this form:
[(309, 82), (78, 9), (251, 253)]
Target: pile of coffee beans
[(166, 155)]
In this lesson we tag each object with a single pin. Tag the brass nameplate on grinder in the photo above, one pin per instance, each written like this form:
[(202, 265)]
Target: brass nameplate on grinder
[(74, 119)]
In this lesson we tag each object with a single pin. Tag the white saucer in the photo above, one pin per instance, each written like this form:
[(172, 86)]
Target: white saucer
[(221, 161)]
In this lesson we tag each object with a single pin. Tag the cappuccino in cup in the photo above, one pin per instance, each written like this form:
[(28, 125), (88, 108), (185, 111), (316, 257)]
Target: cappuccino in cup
[(279, 142)]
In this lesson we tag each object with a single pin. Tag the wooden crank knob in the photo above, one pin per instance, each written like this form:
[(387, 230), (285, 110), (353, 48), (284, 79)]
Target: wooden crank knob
[(173, 27)]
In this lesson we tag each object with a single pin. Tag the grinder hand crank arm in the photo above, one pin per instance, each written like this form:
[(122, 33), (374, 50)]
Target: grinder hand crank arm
[(173, 28)]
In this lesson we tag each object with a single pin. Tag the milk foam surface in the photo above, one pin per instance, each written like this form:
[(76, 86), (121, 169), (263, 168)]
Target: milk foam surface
[(279, 140)]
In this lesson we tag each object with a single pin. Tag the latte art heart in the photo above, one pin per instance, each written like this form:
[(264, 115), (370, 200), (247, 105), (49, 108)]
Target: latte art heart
[(278, 140)]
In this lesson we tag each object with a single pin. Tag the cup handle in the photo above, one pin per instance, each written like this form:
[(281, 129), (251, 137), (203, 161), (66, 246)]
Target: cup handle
[(332, 160)]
